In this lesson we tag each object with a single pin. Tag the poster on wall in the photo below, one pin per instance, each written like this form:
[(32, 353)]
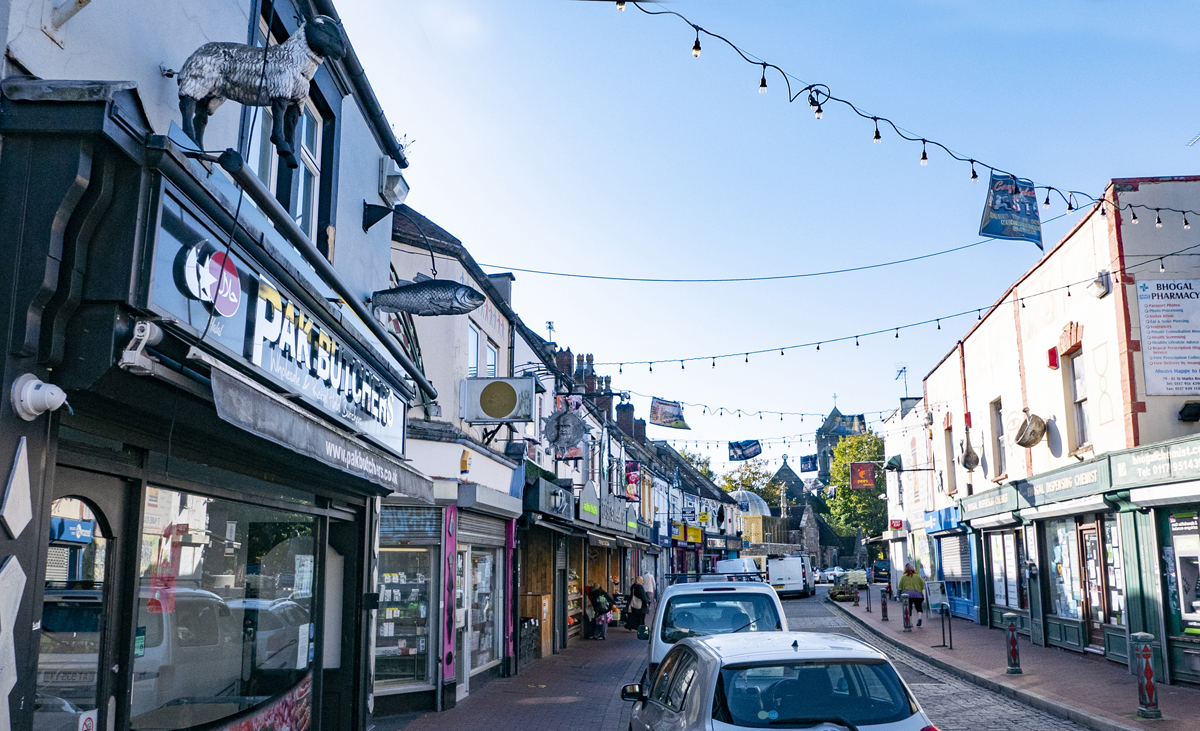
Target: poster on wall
[(1170, 320)]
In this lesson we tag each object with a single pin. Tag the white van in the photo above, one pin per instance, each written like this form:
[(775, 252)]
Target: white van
[(792, 575), (740, 569)]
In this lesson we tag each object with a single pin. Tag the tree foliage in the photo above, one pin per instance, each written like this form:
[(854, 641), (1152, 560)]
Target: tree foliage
[(701, 464), (753, 476), (856, 509)]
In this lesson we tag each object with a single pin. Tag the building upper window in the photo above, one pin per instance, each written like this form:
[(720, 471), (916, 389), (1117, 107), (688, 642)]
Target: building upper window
[(491, 361), (998, 464), (472, 352), (308, 187), (1077, 406)]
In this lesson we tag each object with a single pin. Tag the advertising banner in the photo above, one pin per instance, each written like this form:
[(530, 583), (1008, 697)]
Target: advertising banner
[(862, 475), (748, 449), (633, 481), (1170, 319), (1011, 210), (808, 463), (667, 413)]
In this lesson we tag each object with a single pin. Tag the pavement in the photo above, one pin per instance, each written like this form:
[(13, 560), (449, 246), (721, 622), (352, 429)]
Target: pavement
[(578, 689), (1088, 689)]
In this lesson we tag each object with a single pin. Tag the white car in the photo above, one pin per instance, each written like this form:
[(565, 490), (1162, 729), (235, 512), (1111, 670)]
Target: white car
[(832, 573), (773, 680), (699, 609)]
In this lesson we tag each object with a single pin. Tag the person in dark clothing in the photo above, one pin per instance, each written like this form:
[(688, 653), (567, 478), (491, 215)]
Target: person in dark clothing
[(639, 604), (602, 603)]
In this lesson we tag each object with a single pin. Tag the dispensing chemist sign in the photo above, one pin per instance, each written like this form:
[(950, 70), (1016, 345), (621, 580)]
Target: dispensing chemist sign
[(1170, 321)]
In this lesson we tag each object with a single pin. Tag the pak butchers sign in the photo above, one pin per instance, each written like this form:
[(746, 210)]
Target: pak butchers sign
[(236, 306), (1170, 320)]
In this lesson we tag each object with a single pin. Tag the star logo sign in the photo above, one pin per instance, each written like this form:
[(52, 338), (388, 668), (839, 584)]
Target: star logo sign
[(210, 276)]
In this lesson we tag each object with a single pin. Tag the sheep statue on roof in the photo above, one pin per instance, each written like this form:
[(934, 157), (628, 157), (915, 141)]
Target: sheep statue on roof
[(219, 71)]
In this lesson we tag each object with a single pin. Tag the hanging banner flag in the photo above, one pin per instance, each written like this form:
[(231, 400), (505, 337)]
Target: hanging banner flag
[(633, 481), (808, 463), (667, 413), (748, 449), (862, 475), (1011, 210)]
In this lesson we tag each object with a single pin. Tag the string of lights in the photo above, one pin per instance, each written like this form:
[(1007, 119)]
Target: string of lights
[(818, 95), (894, 330), (723, 410)]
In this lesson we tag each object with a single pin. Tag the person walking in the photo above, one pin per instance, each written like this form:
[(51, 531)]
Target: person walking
[(651, 587), (913, 586), (639, 603), (602, 604)]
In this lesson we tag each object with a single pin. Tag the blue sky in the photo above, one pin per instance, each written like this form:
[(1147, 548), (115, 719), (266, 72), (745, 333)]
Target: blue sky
[(564, 135)]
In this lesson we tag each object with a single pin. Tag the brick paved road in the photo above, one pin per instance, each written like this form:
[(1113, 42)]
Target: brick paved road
[(952, 704)]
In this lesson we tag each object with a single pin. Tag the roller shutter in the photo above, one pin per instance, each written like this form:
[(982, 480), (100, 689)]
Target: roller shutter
[(480, 530), (956, 557), (403, 525)]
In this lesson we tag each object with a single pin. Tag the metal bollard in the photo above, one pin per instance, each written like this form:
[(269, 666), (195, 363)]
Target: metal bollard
[(883, 602), (868, 597), (856, 595), (1147, 688), (1014, 652), (906, 603)]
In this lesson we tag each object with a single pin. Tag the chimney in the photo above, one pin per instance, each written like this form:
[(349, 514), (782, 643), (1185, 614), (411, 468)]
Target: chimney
[(639, 431), (563, 360), (589, 375), (604, 403), (503, 284), (625, 418)]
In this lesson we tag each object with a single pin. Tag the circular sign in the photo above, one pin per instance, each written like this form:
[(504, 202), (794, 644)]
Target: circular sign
[(211, 277), (227, 288), (498, 399)]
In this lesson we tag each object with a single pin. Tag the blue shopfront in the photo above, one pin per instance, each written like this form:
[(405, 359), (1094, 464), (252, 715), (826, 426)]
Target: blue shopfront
[(955, 566)]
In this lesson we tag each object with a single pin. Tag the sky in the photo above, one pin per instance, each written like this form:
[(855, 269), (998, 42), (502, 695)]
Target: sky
[(564, 135)]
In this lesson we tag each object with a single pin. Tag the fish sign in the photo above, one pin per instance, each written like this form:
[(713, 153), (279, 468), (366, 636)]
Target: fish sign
[(428, 297)]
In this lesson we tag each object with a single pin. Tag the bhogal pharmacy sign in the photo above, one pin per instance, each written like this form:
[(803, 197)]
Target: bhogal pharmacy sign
[(1170, 320)]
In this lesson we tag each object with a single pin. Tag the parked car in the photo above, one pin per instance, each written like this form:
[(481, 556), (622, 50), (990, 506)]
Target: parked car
[(830, 574), (881, 571), (275, 625), (774, 680), (739, 569), (696, 610), (791, 575)]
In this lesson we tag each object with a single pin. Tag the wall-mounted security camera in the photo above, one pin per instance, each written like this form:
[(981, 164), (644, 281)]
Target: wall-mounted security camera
[(31, 397)]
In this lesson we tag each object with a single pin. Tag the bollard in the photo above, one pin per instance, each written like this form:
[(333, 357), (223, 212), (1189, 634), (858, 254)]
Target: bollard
[(883, 602), (1147, 688), (868, 597), (1014, 653), (906, 603), (856, 595)]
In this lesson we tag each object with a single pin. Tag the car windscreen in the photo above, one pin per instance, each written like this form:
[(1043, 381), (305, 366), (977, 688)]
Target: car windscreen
[(799, 694), (71, 628), (713, 613)]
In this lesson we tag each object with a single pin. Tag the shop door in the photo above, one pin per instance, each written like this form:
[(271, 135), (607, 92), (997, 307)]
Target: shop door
[(83, 647), (560, 593), (1093, 585), (462, 608)]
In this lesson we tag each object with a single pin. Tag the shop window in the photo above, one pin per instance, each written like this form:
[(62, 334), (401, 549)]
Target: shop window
[(403, 622), (306, 190), (1114, 565), (1008, 580), (472, 352), (223, 618), (487, 608), (998, 464), (1066, 591), (1185, 541)]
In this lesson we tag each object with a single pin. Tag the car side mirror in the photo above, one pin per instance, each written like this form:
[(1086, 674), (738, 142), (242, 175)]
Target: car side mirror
[(643, 632), (632, 692)]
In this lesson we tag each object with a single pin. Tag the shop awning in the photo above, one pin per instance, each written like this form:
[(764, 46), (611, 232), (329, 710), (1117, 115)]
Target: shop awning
[(1088, 504), (483, 499), (595, 539), (558, 527), (997, 521), (625, 543), (1178, 492), (249, 406)]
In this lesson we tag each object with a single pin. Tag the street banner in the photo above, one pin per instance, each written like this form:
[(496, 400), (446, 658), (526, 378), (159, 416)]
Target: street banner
[(1011, 210), (808, 463), (862, 475), (633, 481), (667, 413), (748, 449)]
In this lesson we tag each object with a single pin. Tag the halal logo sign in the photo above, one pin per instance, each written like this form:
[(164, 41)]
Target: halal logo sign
[(208, 275)]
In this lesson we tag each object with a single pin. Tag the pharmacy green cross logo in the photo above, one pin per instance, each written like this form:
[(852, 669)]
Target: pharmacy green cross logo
[(1144, 286)]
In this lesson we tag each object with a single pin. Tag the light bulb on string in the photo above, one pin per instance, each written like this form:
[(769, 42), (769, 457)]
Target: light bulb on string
[(924, 157), (620, 368), (1102, 206), (812, 101), (747, 357), (1162, 266), (1070, 202), (681, 366), (1186, 226), (878, 138), (939, 322), (819, 112), (1157, 219), (651, 367), (1046, 203), (696, 46), (621, 5), (714, 362), (1133, 213), (856, 341), (897, 333), (974, 175), (978, 315), (818, 346), (762, 85)]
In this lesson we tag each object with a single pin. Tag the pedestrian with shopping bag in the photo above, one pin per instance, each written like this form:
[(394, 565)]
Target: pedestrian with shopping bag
[(651, 587), (913, 587), (639, 603), (602, 604)]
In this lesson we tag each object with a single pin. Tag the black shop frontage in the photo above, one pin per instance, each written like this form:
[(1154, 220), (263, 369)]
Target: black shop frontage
[(188, 542)]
